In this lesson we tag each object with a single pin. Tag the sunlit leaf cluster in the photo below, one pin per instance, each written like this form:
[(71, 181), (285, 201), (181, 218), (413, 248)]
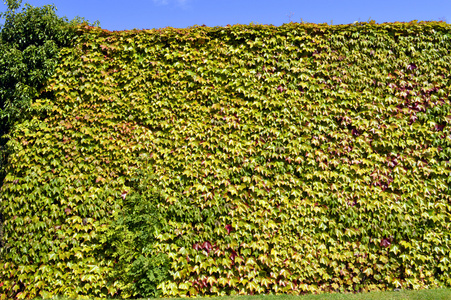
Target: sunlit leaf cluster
[(293, 159)]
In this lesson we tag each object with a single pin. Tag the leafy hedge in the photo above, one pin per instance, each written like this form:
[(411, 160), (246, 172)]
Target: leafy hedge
[(292, 159)]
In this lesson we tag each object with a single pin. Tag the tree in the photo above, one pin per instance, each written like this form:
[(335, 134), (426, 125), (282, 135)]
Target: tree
[(29, 47)]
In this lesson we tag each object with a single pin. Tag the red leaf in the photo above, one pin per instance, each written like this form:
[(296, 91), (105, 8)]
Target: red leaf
[(385, 243), (207, 246), (439, 127), (196, 247), (411, 67), (234, 254)]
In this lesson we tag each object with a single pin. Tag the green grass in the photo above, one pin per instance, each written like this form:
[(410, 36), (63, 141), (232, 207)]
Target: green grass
[(433, 294)]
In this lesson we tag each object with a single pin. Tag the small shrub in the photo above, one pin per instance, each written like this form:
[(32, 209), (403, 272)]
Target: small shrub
[(132, 237)]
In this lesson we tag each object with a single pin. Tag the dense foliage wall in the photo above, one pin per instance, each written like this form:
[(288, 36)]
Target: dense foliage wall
[(239, 159)]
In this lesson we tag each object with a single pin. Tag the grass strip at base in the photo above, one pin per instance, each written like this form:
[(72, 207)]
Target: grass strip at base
[(432, 294)]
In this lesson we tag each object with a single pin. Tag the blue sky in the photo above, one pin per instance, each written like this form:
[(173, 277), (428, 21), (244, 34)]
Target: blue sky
[(147, 14)]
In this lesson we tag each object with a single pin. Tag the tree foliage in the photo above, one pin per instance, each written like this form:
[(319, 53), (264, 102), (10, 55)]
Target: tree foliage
[(30, 41)]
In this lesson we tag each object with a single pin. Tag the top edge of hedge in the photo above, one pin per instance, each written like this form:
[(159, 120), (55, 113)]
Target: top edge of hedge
[(412, 26)]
